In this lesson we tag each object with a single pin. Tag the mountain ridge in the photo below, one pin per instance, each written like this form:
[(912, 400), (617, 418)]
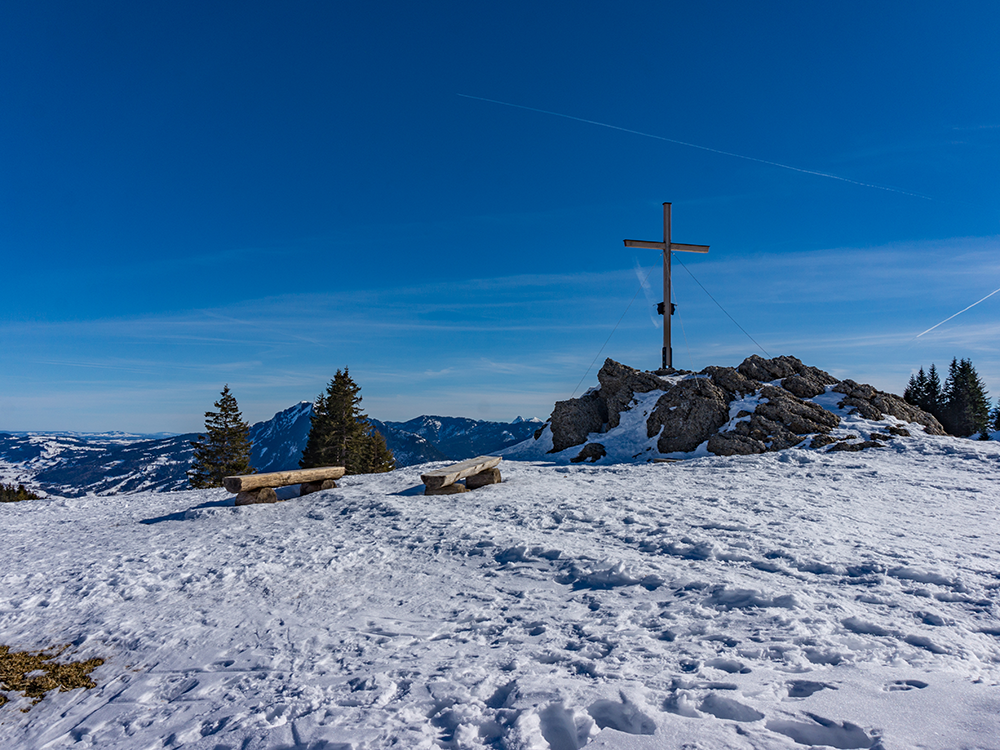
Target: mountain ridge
[(74, 464)]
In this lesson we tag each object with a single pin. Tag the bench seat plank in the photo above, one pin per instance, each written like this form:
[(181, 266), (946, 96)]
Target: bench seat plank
[(451, 474), (249, 482)]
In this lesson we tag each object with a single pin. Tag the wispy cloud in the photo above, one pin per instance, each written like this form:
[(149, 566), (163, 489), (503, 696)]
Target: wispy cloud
[(767, 162)]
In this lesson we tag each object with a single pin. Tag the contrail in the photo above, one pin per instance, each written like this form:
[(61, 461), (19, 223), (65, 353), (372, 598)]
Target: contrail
[(957, 314), (703, 148)]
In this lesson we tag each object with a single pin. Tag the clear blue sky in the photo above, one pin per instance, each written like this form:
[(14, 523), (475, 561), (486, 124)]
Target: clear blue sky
[(201, 193)]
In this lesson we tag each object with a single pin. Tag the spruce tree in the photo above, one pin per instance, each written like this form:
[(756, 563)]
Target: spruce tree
[(935, 394), (340, 434), (916, 390), (966, 407), (924, 390), (224, 449)]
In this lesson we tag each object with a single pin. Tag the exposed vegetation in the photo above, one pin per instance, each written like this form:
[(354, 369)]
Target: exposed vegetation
[(11, 494), (34, 673), (341, 435), (224, 451)]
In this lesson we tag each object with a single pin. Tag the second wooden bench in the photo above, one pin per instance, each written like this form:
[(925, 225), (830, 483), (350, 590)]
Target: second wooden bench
[(477, 472)]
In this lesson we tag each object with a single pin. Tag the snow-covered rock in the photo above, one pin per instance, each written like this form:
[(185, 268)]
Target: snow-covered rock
[(763, 405)]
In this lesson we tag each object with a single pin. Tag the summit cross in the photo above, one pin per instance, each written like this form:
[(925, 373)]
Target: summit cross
[(666, 308)]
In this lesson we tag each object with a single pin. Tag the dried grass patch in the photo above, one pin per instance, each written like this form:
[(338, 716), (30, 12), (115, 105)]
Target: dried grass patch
[(34, 673)]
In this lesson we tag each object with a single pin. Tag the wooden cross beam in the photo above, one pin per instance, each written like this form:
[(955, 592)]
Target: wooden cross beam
[(667, 247)]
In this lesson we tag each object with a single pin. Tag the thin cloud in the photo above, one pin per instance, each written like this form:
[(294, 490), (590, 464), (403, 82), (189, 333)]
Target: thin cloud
[(705, 148)]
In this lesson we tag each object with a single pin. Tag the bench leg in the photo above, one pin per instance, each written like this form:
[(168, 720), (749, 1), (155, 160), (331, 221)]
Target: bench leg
[(252, 497), (483, 478), (307, 488), (448, 489)]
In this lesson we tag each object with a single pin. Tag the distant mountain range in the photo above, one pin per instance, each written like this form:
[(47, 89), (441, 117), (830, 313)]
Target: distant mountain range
[(71, 464)]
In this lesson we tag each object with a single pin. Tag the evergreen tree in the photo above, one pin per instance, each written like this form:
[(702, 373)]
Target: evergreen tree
[(224, 451), (340, 434), (916, 390), (966, 408), (935, 394), (924, 390)]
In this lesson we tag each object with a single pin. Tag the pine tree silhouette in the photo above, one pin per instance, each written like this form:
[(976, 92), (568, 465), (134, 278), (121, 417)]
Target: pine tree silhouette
[(966, 406), (340, 434), (224, 451)]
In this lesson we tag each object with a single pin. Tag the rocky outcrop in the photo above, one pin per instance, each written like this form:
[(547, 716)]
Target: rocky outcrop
[(576, 418), (762, 405), (687, 415), (869, 402), (619, 384)]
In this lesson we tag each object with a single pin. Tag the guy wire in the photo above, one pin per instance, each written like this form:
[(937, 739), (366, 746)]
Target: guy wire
[(641, 284), (721, 307)]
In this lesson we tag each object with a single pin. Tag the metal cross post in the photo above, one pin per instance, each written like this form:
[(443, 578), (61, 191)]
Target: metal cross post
[(667, 306)]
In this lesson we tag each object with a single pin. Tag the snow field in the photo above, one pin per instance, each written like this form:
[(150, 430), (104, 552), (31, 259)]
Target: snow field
[(777, 601)]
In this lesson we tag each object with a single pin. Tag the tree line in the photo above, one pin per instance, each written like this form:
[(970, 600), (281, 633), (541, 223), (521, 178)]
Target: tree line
[(961, 404), (339, 435)]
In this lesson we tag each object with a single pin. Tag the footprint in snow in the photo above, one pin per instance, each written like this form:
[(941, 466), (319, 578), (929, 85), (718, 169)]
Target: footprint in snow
[(901, 685), (805, 688), (821, 731), (728, 665)]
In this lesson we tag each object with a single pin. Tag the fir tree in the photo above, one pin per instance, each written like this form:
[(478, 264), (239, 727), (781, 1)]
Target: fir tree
[(924, 390), (966, 407), (935, 394), (340, 434), (224, 451), (916, 390)]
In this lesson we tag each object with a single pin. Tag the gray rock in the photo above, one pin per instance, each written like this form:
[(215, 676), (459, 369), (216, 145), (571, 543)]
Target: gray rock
[(819, 441), (688, 414), (733, 382), (734, 444), (845, 446), (620, 383), (591, 452), (573, 420), (778, 368), (800, 417), (876, 405), (802, 386)]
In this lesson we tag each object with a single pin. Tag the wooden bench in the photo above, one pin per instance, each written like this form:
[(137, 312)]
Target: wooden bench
[(259, 488), (477, 472)]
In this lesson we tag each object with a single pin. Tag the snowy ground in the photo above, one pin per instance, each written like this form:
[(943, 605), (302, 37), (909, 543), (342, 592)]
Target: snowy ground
[(774, 601)]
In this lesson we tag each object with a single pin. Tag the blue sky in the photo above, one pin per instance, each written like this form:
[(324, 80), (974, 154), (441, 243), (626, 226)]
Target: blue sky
[(258, 194)]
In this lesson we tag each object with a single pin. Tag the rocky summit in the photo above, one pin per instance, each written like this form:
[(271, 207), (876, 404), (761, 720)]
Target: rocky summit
[(763, 405)]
